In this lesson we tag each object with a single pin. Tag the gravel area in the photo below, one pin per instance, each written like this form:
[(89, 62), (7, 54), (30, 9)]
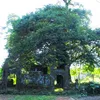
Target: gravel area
[(82, 98), (6, 97), (64, 98), (89, 98)]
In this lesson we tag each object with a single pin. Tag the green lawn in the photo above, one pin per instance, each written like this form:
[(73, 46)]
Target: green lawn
[(33, 97)]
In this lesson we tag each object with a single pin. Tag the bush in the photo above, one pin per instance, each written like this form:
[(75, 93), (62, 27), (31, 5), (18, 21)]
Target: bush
[(92, 88)]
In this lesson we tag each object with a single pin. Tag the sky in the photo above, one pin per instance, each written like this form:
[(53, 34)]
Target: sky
[(21, 7)]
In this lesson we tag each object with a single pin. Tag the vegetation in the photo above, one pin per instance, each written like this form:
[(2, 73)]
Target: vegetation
[(0, 73), (29, 97), (83, 75), (34, 98), (52, 36)]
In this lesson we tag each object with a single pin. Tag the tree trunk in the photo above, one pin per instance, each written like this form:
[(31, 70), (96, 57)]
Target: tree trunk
[(69, 76), (68, 80), (4, 78), (18, 81)]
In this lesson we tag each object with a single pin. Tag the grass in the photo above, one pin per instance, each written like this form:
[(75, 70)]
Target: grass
[(33, 97)]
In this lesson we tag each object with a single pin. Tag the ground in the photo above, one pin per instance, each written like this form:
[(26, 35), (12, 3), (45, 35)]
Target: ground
[(82, 98), (90, 98), (6, 97), (64, 98), (11, 97)]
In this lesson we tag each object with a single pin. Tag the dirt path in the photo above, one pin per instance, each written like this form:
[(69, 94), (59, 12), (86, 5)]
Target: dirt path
[(82, 98), (64, 98), (89, 98), (6, 97)]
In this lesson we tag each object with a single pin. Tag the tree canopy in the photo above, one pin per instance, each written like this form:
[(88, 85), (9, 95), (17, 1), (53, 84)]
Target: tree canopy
[(53, 36)]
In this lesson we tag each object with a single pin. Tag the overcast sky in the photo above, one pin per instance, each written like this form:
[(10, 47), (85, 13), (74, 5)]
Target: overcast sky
[(21, 7)]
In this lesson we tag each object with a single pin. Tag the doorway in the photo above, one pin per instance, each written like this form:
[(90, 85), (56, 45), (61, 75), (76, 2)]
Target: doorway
[(60, 81)]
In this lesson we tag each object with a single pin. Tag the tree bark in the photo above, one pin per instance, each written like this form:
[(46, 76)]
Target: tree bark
[(68, 80), (69, 75), (4, 78), (18, 81)]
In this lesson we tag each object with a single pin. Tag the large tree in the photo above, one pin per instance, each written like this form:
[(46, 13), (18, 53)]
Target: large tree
[(52, 36)]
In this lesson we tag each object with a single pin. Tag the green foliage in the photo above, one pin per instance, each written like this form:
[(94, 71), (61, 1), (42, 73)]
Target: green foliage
[(85, 74), (43, 35), (0, 73), (52, 36), (34, 97), (75, 72), (93, 88), (12, 77)]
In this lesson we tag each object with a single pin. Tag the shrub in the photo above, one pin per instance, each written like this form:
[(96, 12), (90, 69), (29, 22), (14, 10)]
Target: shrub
[(92, 88)]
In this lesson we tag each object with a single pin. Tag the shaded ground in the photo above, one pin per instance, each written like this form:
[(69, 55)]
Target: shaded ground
[(82, 98), (64, 98), (89, 98), (6, 97)]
